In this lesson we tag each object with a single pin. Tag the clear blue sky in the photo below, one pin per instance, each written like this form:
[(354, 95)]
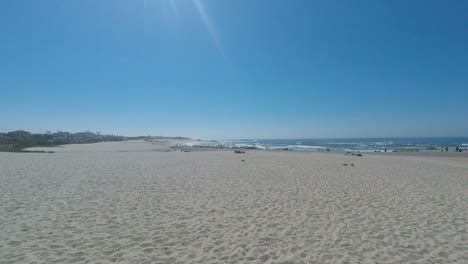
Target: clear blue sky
[(235, 69)]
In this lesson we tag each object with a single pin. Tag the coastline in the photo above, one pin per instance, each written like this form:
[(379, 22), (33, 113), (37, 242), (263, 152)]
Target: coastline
[(399, 153), (363, 145), (168, 145)]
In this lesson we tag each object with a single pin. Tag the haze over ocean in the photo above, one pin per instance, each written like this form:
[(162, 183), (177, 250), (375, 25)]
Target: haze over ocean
[(235, 69)]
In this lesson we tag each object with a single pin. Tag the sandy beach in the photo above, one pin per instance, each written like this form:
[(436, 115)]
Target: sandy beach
[(142, 202)]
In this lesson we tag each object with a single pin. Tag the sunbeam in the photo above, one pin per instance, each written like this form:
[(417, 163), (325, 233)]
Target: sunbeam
[(174, 7), (209, 25)]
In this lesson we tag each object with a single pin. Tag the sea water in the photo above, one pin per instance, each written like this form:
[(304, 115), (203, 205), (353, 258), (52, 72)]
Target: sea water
[(342, 144)]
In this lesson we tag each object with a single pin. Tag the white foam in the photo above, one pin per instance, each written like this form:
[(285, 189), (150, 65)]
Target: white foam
[(384, 143), (303, 147), (345, 143), (202, 144)]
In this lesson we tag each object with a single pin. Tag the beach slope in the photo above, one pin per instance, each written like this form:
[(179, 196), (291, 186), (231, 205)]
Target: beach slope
[(125, 205)]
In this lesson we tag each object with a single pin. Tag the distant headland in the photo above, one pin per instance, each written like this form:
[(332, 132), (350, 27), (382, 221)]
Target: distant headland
[(16, 141)]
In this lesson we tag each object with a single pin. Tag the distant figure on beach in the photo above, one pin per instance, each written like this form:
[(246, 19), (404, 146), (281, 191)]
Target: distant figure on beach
[(441, 148), (456, 149), (446, 149), (385, 150)]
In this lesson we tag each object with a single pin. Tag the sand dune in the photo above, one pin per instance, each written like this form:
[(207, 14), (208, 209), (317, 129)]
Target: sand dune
[(211, 207)]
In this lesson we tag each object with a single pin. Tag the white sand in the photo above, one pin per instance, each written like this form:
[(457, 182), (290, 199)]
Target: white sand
[(123, 146), (210, 207)]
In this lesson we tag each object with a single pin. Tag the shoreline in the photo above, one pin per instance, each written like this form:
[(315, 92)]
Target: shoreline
[(169, 145), (398, 153), (363, 145)]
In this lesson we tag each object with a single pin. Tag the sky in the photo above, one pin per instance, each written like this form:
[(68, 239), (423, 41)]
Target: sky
[(219, 69)]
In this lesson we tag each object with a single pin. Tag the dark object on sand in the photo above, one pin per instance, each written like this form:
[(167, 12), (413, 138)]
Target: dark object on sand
[(359, 155), (182, 150), (239, 151), (352, 164), (243, 160), (345, 164)]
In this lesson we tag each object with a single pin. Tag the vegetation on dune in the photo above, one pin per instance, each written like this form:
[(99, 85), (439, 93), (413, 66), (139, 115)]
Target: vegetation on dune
[(18, 140)]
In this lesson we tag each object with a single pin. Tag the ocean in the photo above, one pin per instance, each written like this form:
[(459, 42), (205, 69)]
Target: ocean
[(342, 144)]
